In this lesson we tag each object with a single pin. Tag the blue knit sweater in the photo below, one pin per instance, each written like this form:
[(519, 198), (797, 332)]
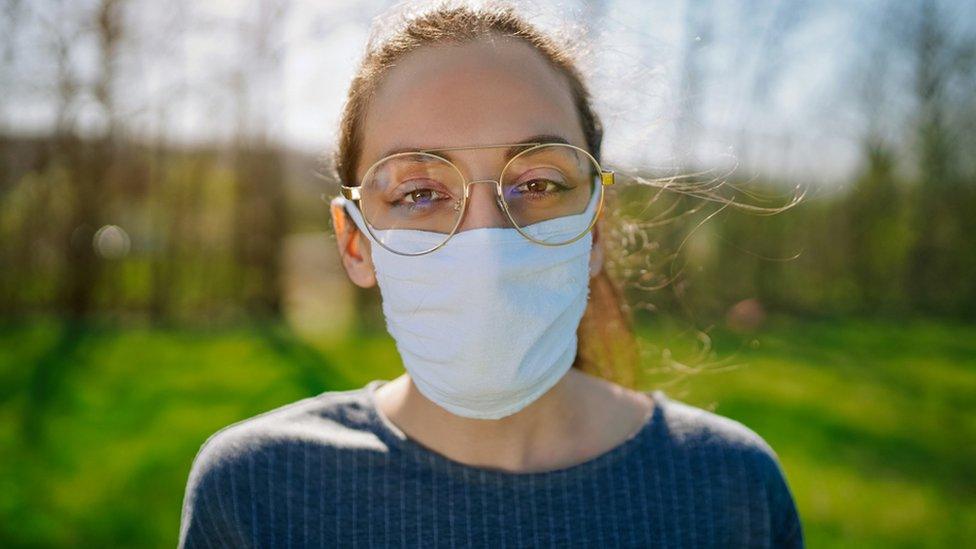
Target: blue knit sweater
[(331, 470)]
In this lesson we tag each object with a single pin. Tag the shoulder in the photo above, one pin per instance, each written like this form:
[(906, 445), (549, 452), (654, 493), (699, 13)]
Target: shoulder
[(330, 419), (697, 430), (267, 445), (736, 457)]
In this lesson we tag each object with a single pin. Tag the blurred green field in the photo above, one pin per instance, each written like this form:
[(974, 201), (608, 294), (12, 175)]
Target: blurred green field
[(874, 422)]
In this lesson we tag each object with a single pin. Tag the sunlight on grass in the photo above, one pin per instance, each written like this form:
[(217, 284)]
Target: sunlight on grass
[(873, 422)]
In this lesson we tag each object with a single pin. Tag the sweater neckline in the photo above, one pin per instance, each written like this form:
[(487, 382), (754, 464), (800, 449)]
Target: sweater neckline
[(396, 438)]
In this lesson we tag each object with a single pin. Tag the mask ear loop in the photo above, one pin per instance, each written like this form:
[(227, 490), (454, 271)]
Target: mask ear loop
[(357, 217)]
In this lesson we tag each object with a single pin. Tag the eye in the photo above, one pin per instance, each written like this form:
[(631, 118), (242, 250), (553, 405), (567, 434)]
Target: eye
[(539, 186), (423, 196)]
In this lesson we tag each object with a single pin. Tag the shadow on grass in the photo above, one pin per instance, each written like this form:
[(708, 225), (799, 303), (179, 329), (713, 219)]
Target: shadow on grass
[(48, 378), (310, 368), (914, 457)]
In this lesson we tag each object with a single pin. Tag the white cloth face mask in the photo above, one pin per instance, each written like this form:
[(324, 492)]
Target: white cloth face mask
[(486, 324)]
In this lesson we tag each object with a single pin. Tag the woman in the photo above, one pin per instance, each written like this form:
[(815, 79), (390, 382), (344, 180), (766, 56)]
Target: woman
[(469, 158)]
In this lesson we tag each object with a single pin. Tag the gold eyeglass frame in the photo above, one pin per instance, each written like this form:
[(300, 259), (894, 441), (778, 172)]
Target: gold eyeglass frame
[(606, 179)]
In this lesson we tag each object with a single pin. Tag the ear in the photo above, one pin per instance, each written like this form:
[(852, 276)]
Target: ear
[(354, 248), (596, 253)]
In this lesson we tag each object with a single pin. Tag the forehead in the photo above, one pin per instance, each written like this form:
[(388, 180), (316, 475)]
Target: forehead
[(479, 93)]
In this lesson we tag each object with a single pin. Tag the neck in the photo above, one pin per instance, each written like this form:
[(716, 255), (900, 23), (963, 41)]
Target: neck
[(542, 436)]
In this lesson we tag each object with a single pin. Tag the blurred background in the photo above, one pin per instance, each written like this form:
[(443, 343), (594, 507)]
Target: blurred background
[(167, 265)]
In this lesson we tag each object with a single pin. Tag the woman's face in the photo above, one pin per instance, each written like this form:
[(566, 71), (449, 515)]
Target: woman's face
[(479, 93)]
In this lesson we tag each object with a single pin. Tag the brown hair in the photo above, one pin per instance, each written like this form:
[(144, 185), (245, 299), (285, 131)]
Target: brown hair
[(607, 346)]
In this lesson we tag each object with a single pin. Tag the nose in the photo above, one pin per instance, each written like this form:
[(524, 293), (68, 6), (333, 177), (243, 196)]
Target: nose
[(483, 208)]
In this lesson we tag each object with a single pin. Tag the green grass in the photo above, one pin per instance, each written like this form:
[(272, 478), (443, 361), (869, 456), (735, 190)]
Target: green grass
[(875, 423)]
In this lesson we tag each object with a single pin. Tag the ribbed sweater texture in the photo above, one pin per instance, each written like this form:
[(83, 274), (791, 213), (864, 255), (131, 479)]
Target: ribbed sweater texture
[(333, 471)]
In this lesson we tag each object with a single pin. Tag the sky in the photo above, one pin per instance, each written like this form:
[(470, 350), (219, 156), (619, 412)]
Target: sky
[(774, 92)]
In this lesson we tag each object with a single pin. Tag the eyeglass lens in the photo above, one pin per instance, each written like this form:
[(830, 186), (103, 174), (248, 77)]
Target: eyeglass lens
[(423, 192)]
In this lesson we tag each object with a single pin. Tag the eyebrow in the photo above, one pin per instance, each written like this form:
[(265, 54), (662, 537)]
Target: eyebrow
[(509, 153)]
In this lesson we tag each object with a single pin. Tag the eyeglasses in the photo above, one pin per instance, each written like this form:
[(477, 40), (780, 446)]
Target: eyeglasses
[(413, 202)]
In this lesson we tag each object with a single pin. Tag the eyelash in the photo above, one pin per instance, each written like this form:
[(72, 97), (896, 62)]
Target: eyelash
[(400, 202), (560, 187)]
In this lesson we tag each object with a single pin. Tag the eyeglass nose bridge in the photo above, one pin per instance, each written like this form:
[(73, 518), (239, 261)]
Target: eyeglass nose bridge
[(495, 182), (467, 187)]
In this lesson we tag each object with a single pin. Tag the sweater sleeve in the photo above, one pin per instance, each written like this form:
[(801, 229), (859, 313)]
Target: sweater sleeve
[(786, 530), (206, 520)]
